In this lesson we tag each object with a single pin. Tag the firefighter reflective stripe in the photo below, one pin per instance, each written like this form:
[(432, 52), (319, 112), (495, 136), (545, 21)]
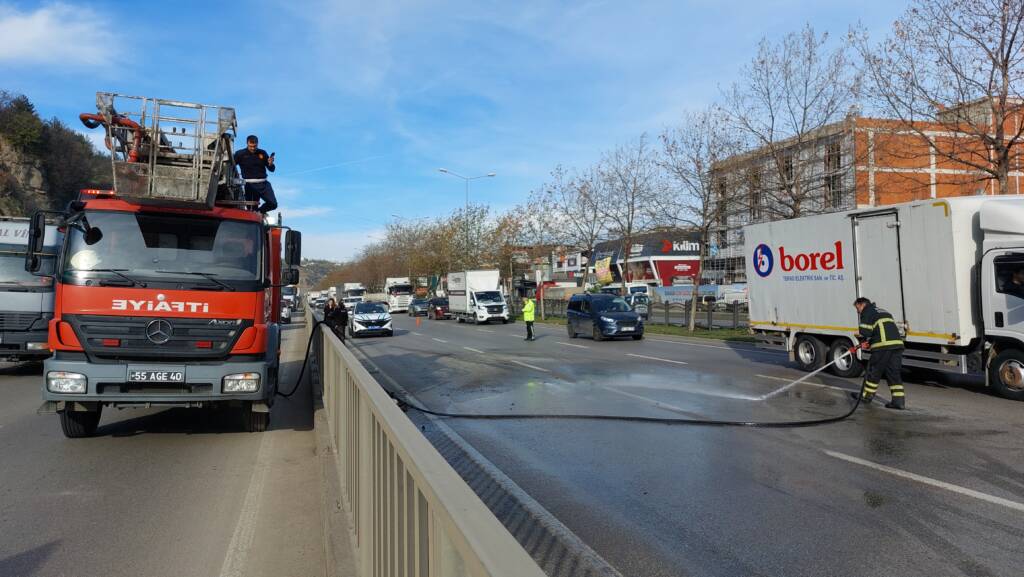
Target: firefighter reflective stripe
[(864, 326), (870, 387), (897, 390), (883, 334)]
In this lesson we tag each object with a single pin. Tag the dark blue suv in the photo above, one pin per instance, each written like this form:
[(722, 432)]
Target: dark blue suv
[(603, 316)]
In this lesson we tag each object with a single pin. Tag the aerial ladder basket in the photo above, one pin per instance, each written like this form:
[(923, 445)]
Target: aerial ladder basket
[(168, 152)]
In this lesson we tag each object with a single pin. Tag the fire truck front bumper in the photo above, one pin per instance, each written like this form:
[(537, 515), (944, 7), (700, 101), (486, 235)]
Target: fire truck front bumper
[(131, 383)]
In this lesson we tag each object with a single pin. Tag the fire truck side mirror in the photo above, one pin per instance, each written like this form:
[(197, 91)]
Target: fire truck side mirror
[(292, 249), (36, 236)]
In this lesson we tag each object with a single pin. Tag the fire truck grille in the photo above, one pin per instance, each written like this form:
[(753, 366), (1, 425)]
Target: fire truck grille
[(156, 337)]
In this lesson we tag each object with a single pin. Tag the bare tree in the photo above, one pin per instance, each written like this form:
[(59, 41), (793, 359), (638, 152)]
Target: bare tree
[(632, 180), (950, 73), (695, 200), (570, 206), (789, 92)]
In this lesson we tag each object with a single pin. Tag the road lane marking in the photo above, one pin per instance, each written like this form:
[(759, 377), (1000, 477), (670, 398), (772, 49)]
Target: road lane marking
[(241, 540), (417, 334), (656, 403), (1017, 506), (529, 366), (485, 330), (736, 349), (474, 350), (439, 340), (655, 359), (572, 345)]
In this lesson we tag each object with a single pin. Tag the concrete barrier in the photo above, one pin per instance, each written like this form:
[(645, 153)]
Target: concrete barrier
[(412, 514)]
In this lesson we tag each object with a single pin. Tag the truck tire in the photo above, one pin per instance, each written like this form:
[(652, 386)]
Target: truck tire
[(255, 422), (850, 366), (1006, 374), (80, 424), (809, 352)]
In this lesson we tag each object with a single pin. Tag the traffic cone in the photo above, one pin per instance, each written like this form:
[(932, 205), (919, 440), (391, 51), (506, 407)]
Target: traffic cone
[(417, 322)]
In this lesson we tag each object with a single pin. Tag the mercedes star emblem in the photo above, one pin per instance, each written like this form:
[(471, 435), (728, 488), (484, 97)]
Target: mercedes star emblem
[(159, 331)]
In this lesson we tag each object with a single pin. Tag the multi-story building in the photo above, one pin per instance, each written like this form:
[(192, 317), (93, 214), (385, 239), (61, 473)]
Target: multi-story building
[(858, 162)]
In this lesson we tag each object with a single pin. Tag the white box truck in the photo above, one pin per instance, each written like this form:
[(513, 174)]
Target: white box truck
[(476, 296), (950, 271), (352, 293), (27, 298), (399, 293)]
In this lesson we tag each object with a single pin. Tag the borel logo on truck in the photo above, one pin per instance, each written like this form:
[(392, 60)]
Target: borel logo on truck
[(764, 260)]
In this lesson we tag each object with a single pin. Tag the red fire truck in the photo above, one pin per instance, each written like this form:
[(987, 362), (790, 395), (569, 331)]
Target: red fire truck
[(168, 285)]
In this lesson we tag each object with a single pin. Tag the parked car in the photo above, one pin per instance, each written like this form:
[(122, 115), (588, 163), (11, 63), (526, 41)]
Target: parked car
[(438, 309), (418, 307), (370, 318), (602, 316), (641, 304)]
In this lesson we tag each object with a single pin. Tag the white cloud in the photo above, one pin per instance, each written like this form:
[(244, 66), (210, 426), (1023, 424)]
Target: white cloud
[(337, 246), (302, 211), (56, 34)]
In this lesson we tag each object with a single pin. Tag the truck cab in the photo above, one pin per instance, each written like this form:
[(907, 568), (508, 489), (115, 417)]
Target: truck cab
[(27, 299)]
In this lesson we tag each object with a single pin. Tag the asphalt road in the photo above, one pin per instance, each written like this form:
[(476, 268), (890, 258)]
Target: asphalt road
[(169, 492), (936, 490)]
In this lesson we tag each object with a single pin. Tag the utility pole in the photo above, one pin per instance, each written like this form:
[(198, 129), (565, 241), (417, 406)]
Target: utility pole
[(466, 180)]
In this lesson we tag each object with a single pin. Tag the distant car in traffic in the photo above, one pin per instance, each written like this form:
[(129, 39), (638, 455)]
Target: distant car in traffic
[(371, 318), (602, 316), (320, 302), (438, 309), (419, 307)]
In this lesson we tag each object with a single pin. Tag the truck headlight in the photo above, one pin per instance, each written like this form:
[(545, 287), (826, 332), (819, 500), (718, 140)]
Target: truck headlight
[(241, 383), (65, 382), (37, 346)]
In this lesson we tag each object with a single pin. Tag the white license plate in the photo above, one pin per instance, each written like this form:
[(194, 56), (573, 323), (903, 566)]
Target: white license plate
[(157, 376), (626, 329)]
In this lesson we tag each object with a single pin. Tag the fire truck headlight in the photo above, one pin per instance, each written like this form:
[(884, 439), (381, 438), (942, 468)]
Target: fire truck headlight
[(37, 346), (65, 382), (241, 383)]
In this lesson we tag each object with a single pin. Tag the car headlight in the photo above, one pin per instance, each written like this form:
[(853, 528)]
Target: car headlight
[(241, 383), (65, 382), (608, 320)]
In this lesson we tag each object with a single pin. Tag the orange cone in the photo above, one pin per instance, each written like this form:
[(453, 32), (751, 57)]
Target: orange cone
[(417, 322)]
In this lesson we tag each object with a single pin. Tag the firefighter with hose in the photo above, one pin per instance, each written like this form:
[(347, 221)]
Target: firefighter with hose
[(882, 337)]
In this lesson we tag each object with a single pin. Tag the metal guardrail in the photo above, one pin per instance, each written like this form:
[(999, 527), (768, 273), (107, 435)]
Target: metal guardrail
[(413, 515)]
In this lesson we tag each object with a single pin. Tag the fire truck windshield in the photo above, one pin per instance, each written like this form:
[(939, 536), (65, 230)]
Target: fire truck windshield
[(153, 246)]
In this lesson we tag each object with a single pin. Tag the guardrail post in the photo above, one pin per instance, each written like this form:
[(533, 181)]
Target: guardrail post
[(735, 315)]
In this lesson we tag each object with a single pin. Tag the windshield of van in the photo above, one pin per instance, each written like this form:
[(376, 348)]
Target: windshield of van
[(489, 298), (615, 305), (164, 248)]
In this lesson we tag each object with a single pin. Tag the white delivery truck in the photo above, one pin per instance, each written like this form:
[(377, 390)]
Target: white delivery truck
[(950, 271), (476, 296), (352, 293), (399, 293), (27, 299)]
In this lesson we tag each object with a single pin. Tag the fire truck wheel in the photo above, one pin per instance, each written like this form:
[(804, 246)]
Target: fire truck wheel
[(256, 422), (1006, 374), (78, 424), (809, 352), (848, 366)]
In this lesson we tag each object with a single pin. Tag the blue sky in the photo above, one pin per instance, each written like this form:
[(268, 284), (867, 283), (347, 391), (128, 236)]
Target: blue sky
[(364, 101)]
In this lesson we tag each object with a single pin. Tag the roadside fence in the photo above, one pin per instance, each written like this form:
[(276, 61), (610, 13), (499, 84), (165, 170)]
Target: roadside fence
[(412, 514), (730, 316)]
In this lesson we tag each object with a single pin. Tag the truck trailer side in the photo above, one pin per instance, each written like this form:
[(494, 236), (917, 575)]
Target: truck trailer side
[(943, 268)]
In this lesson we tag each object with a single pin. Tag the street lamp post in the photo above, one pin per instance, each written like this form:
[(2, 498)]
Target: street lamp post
[(466, 180)]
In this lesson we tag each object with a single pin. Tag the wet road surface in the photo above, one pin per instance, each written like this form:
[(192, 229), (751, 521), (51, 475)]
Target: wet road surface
[(937, 490), (169, 492)]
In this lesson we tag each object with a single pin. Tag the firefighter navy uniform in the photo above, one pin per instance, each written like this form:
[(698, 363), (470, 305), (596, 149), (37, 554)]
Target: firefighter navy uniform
[(882, 335)]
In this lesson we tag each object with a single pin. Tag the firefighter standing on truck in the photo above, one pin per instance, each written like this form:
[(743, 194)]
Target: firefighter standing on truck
[(254, 162), (882, 337)]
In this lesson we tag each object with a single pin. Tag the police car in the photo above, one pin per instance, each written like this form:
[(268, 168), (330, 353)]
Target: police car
[(370, 318)]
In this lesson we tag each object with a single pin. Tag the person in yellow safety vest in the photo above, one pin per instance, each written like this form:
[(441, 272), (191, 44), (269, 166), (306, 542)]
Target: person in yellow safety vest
[(881, 336), (528, 309)]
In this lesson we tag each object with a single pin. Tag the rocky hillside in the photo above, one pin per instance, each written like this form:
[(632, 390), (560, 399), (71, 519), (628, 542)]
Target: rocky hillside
[(43, 163), (314, 271)]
